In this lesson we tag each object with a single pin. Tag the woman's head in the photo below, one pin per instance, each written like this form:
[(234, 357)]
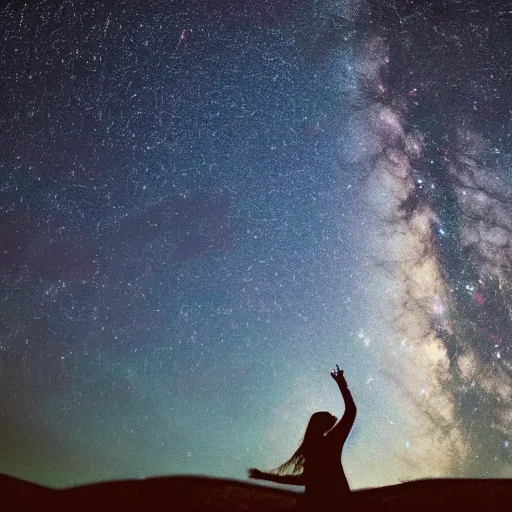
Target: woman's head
[(319, 423)]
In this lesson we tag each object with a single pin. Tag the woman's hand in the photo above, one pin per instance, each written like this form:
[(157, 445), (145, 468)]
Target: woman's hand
[(255, 473), (337, 375)]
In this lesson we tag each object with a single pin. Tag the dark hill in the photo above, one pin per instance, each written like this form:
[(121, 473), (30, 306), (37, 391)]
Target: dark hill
[(197, 493)]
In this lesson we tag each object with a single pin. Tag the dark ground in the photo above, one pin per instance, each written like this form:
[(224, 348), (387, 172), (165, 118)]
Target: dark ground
[(196, 493)]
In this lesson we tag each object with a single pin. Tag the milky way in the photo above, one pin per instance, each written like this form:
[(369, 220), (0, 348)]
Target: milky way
[(438, 194)]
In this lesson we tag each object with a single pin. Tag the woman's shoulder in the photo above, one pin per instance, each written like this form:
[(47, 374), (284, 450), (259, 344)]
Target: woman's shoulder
[(321, 445)]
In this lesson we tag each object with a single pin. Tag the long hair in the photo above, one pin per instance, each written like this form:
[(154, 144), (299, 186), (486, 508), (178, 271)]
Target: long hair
[(319, 423)]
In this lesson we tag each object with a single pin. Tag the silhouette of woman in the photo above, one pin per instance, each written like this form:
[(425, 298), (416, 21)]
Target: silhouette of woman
[(317, 462)]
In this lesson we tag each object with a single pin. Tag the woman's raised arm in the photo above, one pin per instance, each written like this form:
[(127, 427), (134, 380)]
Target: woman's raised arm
[(343, 427)]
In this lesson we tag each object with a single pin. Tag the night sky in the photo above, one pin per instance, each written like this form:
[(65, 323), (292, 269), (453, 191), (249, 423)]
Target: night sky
[(204, 206)]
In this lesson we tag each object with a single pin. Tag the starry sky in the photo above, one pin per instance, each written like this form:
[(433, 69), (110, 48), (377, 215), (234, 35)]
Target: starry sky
[(206, 205)]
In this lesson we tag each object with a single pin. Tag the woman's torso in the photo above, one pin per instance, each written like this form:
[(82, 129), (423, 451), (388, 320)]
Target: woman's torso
[(323, 472)]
